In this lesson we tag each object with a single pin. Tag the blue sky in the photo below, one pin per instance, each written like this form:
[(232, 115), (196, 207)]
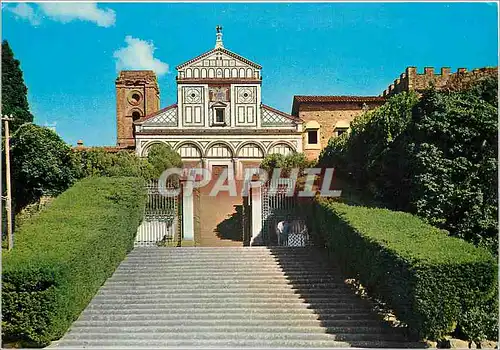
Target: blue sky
[(70, 53)]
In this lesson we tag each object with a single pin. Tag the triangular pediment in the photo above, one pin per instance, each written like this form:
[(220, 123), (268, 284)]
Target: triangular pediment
[(219, 104), (219, 57)]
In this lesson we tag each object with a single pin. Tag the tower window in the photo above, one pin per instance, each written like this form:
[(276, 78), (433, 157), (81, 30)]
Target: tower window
[(135, 98), (135, 115), (312, 137), (219, 116)]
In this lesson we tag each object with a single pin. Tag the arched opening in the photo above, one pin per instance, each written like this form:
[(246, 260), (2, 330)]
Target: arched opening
[(219, 150), (251, 150), (136, 115), (146, 149), (136, 97), (191, 155), (282, 148)]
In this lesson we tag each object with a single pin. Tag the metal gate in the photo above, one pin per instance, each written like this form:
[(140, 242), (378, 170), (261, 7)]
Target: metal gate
[(161, 224), (277, 206)]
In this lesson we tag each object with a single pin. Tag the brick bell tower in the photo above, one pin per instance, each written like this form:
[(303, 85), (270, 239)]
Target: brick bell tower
[(137, 95)]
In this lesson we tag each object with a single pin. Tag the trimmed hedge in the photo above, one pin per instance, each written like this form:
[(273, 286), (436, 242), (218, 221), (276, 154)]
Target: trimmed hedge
[(431, 280), (63, 255)]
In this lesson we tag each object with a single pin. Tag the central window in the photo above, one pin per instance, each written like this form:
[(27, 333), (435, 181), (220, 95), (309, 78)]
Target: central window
[(219, 116)]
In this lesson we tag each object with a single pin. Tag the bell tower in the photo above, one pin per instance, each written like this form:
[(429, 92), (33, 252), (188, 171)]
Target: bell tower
[(137, 95)]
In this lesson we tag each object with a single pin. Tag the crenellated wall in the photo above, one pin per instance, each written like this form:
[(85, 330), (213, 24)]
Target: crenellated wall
[(411, 80)]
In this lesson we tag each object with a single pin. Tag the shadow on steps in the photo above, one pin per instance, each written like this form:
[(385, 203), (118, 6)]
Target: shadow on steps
[(342, 313)]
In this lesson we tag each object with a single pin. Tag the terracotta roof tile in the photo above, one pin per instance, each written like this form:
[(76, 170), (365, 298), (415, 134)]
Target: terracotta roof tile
[(109, 149), (298, 99), (339, 98)]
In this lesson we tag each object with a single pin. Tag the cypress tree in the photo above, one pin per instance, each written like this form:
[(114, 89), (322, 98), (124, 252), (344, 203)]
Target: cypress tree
[(14, 91)]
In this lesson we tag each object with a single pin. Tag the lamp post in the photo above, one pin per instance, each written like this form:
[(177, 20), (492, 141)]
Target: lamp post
[(8, 197)]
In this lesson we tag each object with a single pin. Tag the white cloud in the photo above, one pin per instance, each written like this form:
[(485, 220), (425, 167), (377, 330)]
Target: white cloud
[(138, 54), (67, 12), (24, 11), (64, 13)]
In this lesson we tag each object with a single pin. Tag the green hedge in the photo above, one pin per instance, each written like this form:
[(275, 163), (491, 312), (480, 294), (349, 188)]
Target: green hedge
[(63, 255), (431, 280)]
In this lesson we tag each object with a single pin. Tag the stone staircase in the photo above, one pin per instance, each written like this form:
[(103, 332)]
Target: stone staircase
[(229, 297)]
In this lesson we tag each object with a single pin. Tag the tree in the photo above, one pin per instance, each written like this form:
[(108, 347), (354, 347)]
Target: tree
[(14, 91), (161, 156), (286, 163), (41, 164)]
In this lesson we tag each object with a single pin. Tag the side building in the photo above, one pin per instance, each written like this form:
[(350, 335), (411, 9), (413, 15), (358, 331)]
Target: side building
[(325, 117)]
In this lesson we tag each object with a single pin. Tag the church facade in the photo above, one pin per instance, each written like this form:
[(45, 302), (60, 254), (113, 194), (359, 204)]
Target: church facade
[(218, 120)]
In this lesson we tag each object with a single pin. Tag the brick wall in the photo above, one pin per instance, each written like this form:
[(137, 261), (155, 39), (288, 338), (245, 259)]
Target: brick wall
[(328, 115), (143, 83)]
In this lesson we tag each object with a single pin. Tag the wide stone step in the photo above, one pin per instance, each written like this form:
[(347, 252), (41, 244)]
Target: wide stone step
[(100, 320), (299, 257), (219, 264), (229, 266), (212, 255), (232, 314), (177, 258), (119, 287), (224, 280), (165, 280), (154, 293), (157, 327), (229, 263), (216, 258), (229, 288), (192, 273), (199, 343), (187, 333), (179, 300), (227, 303), (225, 287), (233, 343), (165, 309)]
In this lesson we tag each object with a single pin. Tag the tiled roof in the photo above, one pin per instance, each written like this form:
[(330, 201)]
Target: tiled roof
[(109, 149), (339, 98), (221, 49), (298, 99), (146, 117)]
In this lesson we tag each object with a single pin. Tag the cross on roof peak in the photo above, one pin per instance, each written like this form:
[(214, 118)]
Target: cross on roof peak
[(218, 42)]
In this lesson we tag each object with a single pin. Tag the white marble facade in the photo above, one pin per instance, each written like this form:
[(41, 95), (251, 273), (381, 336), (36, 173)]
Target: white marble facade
[(219, 119)]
